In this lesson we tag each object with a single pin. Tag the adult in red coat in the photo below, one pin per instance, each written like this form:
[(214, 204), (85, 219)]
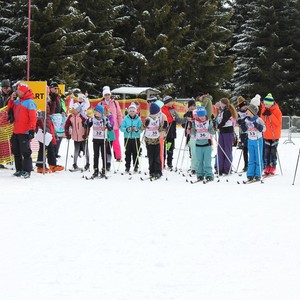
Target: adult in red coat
[(272, 116), (24, 118)]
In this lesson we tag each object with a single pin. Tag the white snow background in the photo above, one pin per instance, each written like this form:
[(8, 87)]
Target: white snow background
[(63, 237)]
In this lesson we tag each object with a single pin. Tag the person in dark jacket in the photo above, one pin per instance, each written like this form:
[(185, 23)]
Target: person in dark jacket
[(173, 119), (5, 93), (56, 108)]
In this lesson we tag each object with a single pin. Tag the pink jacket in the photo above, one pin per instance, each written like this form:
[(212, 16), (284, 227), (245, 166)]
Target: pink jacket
[(76, 122), (116, 112)]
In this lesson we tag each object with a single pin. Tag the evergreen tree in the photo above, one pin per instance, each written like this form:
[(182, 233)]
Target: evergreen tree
[(100, 66), (57, 46), (13, 35), (208, 65), (242, 46)]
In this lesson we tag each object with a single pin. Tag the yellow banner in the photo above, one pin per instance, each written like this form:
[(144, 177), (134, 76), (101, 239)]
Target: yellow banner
[(39, 89)]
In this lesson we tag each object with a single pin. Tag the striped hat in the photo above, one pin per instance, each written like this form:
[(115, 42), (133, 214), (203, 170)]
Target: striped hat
[(269, 100)]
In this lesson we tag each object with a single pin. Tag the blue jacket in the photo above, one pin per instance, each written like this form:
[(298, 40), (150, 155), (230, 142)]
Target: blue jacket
[(128, 122)]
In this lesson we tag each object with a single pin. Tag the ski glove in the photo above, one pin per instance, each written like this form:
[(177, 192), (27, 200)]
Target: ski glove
[(267, 112), (147, 122), (109, 127), (135, 129), (129, 129), (10, 116), (31, 134), (258, 126), (68, 137), (85, 136)]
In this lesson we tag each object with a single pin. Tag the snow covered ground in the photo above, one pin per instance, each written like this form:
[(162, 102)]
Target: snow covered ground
[(63, 237)]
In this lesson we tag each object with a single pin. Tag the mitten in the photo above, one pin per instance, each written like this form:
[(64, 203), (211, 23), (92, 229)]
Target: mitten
[(267, 112), (147, 122), (129, 129), (109, 127), (258, 126), (31, 134), (10, 115)]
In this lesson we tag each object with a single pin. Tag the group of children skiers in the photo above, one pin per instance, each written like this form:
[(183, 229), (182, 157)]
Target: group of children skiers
[(259, 123)]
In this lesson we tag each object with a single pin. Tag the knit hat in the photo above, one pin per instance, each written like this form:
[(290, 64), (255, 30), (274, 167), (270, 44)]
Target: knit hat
[(5, 83), (255, 100), (269, 100), (132, 106), (241, 101), (191, 103), (154, 109), (99, 108), (23, 87), (76, 107), (53, 85), (167, 99), (106, 90), (80, 96), (253, 109), (159, 103), (201, 111)]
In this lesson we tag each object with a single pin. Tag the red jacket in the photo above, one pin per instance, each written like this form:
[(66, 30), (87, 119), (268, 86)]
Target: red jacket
[(273, 122), (24, 113)]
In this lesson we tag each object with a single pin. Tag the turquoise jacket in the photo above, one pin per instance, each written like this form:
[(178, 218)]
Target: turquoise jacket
[(133, 124)]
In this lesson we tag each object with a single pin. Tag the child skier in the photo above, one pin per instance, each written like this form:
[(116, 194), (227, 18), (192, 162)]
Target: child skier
[(131, 126), (254, 126), (100, 123), (153, 130), (242, 115), (202, 129), (76, 121), (50, 153)]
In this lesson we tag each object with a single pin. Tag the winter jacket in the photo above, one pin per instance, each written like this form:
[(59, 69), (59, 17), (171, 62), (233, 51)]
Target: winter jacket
[(4, 98), (115, 110), (49, 124), (129, 122), (225, 121), (24, 113), (273, 122), (77, 124), (173, 119), (56, 104)]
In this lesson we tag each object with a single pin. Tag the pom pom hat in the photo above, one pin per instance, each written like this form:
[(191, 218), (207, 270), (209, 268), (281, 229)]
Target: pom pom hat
[(154, 109), (255, 100), (106, 90), (269, 100)]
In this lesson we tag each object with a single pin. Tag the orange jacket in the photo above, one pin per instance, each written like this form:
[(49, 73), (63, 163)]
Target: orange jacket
[(273, 122)]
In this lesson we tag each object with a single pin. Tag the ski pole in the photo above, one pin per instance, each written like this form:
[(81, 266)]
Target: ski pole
[(296, 167), (237, 168), (67, 155), (279, 162), (223, 153), (183, 135)]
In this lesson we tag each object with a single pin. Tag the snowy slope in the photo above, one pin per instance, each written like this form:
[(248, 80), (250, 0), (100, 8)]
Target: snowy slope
[(63, 237)]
